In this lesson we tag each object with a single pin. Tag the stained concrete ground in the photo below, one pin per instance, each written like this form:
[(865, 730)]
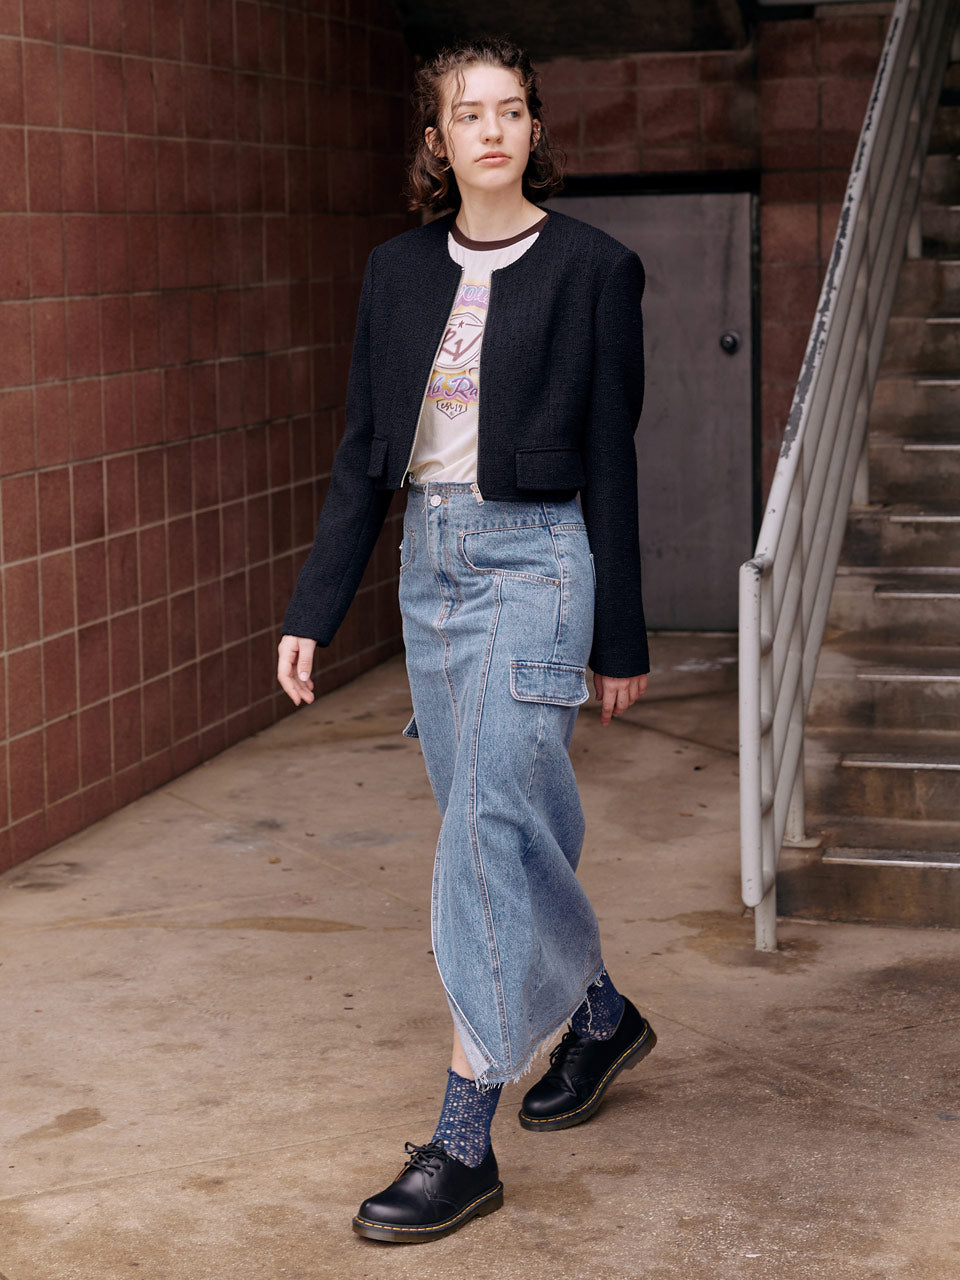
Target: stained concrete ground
[(221, 1021)]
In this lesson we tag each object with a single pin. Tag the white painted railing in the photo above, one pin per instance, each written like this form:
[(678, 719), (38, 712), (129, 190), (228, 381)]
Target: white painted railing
[(785, 589)]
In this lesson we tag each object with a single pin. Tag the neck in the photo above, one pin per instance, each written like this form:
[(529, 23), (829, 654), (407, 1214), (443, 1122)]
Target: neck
[(495, 215)]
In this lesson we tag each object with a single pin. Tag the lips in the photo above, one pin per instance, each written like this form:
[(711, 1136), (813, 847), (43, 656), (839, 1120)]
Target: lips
[(494, 155)]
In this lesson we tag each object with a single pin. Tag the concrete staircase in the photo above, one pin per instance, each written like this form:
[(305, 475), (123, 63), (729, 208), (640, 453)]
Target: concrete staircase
[(883, 742)]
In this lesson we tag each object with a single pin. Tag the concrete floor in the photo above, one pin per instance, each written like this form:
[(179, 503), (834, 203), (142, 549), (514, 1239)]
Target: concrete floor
[(220, 1020)]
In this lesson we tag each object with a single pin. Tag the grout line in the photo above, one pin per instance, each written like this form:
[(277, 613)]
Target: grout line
[(160, 1170)]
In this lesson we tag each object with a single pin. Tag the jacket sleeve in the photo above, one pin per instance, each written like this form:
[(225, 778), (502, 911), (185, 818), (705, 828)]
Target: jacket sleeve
[(354, 510), (609, 497)]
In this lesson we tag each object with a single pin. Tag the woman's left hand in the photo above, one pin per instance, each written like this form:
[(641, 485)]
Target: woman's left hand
[(617, 693)]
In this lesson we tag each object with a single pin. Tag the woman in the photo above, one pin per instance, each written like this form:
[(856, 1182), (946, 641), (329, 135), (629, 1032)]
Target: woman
[(502, 602)]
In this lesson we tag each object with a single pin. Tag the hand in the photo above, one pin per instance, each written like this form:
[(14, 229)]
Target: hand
[(294, 666), (617, 693)]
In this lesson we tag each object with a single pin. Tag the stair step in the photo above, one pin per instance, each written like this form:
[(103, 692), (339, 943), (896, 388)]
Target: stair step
[(915, 514), (941, 178), (915, 760), (928, 286), (911, 471), (929, 838), (920, 591), (919, 785), (946, 129), (868, 605), (885, 686), (903, 535), (922, 345), (829, 885), (891, 858), (884, 675), (940, 228), (907, 406)]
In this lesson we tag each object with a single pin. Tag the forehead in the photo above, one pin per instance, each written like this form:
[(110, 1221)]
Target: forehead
[(480, 82)]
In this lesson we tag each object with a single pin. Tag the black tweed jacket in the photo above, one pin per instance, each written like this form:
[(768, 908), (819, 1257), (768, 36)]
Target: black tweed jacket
[(562, 369)]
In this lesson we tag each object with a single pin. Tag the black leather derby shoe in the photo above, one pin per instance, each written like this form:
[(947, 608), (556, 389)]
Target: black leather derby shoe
[(432, 1195), (581, 1070)]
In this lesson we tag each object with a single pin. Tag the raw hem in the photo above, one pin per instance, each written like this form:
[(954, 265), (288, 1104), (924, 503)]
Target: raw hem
[(485, 1074)]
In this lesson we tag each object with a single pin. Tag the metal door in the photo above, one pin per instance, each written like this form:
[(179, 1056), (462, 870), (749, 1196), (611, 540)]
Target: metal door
[(695, 444)]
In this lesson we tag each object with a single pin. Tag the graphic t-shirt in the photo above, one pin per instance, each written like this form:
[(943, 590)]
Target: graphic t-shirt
[(446, 439)]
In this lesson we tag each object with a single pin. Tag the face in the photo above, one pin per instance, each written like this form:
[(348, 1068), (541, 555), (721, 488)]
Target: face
[(487, 130)]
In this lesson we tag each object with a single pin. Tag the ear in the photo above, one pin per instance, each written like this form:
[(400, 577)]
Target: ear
[(432, 139), (535, 134)]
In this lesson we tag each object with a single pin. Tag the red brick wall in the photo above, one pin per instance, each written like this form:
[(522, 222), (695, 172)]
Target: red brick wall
[(790, 105), (188, 191)]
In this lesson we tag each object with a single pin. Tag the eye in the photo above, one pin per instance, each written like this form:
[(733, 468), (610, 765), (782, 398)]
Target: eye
[(466, 117), (514, 113)]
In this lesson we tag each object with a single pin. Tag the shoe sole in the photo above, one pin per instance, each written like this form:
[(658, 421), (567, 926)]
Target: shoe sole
[(626, 1062), (489, 1202)]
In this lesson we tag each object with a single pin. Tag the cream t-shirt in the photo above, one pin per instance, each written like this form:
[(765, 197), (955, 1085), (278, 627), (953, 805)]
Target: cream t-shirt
[(445, 446)]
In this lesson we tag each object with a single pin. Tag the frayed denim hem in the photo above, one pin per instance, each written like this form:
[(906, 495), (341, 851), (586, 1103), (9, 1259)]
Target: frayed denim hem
[(485, 1074)]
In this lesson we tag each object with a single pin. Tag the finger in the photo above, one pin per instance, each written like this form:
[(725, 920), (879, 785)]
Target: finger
[(285, 665), (598, 686), (623, 701), (641, 686), (609, 702), (306, 650)]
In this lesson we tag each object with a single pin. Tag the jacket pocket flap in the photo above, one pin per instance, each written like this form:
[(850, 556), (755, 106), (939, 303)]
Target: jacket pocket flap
[(549, 469), (552, 682), (378, 457)]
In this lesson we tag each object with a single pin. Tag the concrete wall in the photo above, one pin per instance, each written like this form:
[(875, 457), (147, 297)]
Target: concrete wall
[(791, 105), (188, 191)]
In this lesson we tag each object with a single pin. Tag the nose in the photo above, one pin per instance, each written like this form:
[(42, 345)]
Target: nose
[(492, 132)]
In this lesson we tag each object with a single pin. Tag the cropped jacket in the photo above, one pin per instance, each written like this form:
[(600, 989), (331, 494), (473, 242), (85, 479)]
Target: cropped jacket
[(561, 371)]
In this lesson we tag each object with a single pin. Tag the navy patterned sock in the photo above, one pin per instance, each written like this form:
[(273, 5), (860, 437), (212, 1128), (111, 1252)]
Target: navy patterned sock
[(597, 1018), (464, 1124)]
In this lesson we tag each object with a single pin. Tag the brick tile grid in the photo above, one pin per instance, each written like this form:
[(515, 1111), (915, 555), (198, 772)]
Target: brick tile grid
[(172, 340), (791, 106)]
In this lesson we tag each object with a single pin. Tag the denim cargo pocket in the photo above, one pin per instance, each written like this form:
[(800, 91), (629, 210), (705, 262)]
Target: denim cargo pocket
[(552, 682)]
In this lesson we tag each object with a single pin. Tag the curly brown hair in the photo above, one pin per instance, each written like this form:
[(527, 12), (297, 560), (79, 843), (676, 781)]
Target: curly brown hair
[(431, 184)]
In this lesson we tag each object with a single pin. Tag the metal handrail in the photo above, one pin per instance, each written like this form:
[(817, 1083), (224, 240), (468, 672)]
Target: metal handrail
[(785, 588)]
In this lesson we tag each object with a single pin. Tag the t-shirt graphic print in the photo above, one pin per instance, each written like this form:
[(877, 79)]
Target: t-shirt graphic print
[(445, 447), (455, 384)]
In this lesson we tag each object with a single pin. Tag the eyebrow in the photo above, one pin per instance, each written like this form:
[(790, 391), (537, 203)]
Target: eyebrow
[(474, 103)]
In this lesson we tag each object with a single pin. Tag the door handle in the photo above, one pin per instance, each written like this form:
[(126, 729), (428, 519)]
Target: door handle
[(730, 342)]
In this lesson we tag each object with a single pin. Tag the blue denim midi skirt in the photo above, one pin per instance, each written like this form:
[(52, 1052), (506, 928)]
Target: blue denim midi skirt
[(497, 604)]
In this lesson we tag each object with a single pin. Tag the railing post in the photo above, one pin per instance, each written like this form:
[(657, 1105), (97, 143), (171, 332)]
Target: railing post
[(915, 234), (795, 830), (861, 481), (765, 922)]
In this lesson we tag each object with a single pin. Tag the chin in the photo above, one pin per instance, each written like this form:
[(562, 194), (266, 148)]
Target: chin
[(494, 180)]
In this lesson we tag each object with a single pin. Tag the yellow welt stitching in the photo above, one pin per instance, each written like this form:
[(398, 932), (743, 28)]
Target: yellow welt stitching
[(437, 1226), (576, 1111)]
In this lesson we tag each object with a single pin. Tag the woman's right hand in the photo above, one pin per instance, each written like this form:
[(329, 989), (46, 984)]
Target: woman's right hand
[(294, 666)]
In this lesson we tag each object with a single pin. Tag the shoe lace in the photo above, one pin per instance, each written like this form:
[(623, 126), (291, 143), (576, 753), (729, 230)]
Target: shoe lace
[(427, 1157), (568, 1046)]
